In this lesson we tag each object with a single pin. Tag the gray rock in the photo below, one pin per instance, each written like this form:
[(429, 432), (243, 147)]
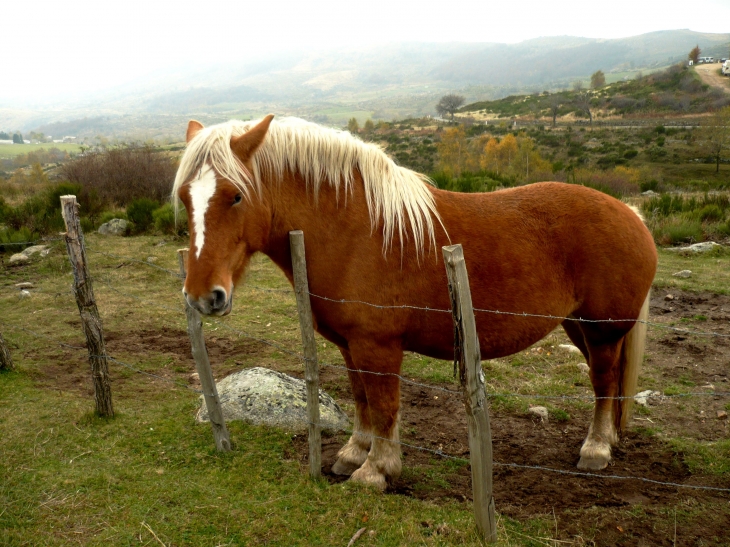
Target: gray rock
[(539, 411), (643, 397), (19, 258), (684, 273), (265, 397), (24, 294), (703, 247), (649, 193), (115, 227), (24, 285), (570, 348), (25, 255), (583, 367)]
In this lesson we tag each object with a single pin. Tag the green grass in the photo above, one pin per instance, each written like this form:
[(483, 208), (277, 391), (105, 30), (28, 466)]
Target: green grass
[(68, 477), (710, 271), (10, 151)]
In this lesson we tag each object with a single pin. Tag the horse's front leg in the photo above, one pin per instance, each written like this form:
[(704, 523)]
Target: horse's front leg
[(379, 366), (355, 452)]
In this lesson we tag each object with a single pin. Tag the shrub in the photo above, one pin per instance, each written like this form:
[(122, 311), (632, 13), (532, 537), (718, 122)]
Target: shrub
[(140, 212), (678, 230), (631, 153), (710, 213), (652, 185), (166, 223), (123, 174), (11, 235)]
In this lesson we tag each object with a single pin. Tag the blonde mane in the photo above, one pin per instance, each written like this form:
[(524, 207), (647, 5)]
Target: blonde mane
[(395, 195)]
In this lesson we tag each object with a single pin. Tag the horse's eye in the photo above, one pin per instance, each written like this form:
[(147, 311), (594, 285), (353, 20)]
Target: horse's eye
[(237, 199)]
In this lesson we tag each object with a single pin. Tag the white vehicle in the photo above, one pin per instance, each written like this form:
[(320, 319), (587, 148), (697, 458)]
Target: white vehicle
[(707, 60), (726, 68)]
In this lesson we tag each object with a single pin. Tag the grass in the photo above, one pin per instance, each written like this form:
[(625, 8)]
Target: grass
[(151, 474), (710, 271), (10, 151)]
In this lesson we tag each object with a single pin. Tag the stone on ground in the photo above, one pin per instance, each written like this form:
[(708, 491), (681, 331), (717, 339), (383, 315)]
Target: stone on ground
[(26, 254), (115, 227), (261, 396), (539, 411), (684, 273)]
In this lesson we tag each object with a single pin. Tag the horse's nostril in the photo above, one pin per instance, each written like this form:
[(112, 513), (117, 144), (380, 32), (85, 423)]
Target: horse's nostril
[(219, 299)]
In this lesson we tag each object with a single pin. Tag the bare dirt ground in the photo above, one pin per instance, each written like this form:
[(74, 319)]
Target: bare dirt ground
[(709, 75), (586, 510)]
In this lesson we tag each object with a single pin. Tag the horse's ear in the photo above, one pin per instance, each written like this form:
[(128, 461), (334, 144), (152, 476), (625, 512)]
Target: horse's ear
[(193, 128), (245, 145)]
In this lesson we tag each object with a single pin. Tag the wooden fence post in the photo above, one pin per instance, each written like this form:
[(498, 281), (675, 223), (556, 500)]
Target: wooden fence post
[(6, 361), (468, 355), (90, 320), (311, 367), (202, 365)]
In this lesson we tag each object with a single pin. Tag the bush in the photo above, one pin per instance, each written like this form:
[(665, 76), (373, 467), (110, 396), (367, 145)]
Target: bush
[(630, 154), (139, 212), (652, 185), (166, 223), (679, 230), (121, 175), (710, 213), (41, 213), (10, 235)]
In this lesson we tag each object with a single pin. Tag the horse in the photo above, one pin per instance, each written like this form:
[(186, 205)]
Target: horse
[(555, 252)]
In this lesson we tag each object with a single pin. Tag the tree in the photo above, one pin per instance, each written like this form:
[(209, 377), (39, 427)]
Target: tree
[(453, 151), (714, 135), (583, 104), (554, 103), (369, 127), (4, 136), (17, 138), (449, 104), (352, 126), (598, 79), (694, 54), (577, 85)]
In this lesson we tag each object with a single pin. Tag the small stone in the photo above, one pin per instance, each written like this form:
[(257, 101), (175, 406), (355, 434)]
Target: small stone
[(42, 250), (19, 258), (115, 227), (684, 273), (24, 294), (194, 378), (707, 386), (570, 348), (24, 285), (721, 415), (539, 411), (669, 297), (151, 258), (583, 367), (643, 397), (649, 193)]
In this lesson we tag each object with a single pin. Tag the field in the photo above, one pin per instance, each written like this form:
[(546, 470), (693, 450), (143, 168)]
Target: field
[(12, 150), (151, 475)]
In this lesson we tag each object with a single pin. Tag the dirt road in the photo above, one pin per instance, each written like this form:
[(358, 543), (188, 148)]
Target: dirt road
[(711, 76)]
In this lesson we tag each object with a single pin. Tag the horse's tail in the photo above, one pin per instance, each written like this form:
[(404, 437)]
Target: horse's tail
[(632, 354)]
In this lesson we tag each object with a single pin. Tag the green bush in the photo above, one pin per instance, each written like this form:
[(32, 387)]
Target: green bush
[(652, 185), (678, 230), (710, 213), (166, 223), (630, 154), (10, 235), (106, 216), (139, 212)]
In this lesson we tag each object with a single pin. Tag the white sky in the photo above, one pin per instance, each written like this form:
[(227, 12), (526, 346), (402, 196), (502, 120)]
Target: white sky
[(58, 47)]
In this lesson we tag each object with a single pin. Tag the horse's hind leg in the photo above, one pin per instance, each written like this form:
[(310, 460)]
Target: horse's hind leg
[(382, 389), (604, 362), (355, 452)]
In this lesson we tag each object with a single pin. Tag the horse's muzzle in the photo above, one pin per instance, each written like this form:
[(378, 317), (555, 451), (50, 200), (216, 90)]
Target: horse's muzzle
[(217, 302)]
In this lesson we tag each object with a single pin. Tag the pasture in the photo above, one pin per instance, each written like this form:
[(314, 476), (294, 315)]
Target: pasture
[(151, 475), (12, 150)]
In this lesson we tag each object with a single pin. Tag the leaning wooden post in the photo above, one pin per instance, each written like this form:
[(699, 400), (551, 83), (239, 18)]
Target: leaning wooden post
[(311, 368), (90, 320), (202, 365), (468, 355), (6, 361)]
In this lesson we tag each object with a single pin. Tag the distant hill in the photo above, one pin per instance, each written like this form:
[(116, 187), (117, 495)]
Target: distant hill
[(386, 81)]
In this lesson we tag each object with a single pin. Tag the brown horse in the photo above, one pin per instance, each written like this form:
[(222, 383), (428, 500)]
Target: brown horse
[(373, 233)]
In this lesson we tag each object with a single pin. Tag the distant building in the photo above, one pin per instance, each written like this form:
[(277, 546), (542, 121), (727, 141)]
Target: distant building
[(6, 142), (68, 139)]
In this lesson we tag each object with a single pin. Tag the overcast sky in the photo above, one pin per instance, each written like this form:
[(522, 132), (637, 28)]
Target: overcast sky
[(52, 47)]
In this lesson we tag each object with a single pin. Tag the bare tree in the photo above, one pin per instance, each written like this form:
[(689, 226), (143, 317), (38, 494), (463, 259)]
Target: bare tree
[(714, 135), (554, 102), (583, 104), (449, 104)]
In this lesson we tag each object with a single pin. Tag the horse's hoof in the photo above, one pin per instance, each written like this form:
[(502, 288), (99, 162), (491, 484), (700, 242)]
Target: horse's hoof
[(368, 475), (342, 467), (592, 464)]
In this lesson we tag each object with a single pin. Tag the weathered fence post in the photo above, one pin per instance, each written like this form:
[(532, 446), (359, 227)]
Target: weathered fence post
[(90, 320), (6, 361), (202, 365), (311, 367), (468, 355)]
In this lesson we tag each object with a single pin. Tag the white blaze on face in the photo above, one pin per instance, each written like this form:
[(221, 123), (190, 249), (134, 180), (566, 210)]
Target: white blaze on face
[(201, 190)]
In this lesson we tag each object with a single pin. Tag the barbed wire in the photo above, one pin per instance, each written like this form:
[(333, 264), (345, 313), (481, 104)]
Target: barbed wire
[(36, 242), (173, 273), (442, 454)]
